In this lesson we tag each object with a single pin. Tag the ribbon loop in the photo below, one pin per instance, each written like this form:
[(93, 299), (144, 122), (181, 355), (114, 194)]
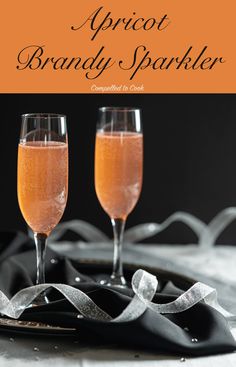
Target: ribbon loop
[(144, 286), (20, 301), (86, 230), (216, 227), (143, 231)]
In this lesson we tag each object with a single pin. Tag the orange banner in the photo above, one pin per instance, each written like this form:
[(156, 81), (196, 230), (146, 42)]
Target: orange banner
[(105, 46)]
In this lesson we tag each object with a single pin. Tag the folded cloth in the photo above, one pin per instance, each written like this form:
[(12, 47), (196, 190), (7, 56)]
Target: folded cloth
[(201, 330)]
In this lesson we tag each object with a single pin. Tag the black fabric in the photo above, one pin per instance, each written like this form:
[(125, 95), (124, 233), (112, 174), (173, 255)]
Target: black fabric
[(162, 333)]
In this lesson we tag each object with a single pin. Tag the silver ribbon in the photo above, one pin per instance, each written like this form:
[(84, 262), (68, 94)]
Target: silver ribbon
[(207, 234), (144, 286)]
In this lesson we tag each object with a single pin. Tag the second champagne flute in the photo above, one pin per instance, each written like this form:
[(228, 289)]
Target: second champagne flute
[(118, 173), (42, 181)]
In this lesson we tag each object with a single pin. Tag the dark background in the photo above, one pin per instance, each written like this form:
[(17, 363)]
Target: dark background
[(189, 151)]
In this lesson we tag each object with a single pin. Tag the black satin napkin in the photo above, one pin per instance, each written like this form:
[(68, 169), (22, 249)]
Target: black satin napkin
[(200, 330)]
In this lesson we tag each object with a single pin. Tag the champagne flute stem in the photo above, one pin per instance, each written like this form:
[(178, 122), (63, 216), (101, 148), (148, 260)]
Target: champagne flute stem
[(40, 243), (117, 277)]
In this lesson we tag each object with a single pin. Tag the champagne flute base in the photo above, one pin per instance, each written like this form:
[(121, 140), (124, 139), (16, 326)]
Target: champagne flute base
[(115, 281)]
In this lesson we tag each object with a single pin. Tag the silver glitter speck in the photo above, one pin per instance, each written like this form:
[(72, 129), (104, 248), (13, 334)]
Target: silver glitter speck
[(77, 279), (56, 347), (54, 261), (80, 316), (12, 340), (186, 328), (36, 349), (194, 340), (182, 359)]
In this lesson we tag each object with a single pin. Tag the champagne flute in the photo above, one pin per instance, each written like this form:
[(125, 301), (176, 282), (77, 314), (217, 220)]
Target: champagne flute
[(42, 179), (118, 173)]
